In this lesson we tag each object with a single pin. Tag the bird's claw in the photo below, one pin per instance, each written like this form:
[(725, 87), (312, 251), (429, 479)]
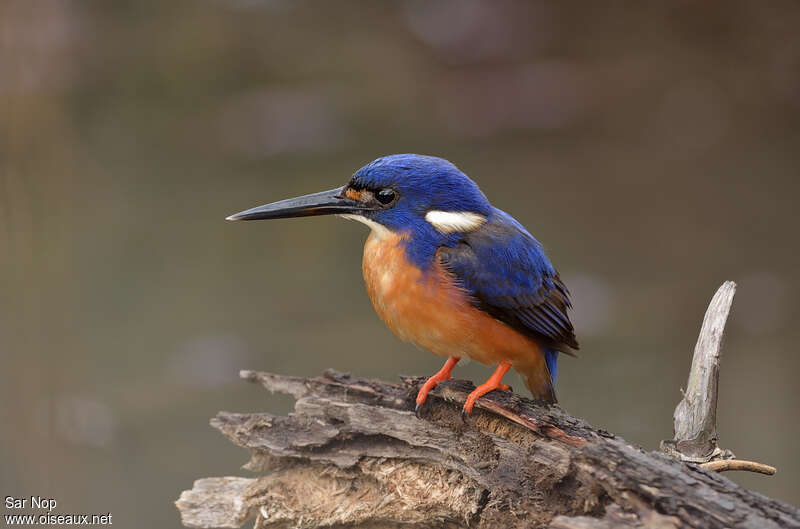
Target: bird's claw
[(418, 410)]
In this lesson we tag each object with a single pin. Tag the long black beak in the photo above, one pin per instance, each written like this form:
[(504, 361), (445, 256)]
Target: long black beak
[(329, 202)]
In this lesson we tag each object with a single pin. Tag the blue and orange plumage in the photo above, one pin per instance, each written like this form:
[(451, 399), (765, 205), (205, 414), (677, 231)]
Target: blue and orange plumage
[(449, 272)]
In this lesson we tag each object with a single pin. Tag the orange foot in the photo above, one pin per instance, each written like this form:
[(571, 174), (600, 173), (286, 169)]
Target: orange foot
[(490, 385), (442, 375)]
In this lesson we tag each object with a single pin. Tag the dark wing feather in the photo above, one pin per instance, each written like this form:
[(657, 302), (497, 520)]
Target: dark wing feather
[(507, 274)]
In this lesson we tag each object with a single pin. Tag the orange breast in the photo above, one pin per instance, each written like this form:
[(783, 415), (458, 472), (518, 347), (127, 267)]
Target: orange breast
[(431, 311)]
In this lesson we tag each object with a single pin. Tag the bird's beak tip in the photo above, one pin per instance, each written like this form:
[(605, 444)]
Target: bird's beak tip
[(231, 217)]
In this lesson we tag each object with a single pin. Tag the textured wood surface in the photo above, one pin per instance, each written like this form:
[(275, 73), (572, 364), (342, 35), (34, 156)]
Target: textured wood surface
[(353, 454), (695, 418)]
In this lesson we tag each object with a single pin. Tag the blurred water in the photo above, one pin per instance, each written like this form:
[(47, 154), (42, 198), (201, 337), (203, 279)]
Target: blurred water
[(653, 150)]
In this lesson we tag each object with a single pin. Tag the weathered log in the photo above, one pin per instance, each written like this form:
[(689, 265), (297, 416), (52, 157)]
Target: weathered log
[(353, 454)]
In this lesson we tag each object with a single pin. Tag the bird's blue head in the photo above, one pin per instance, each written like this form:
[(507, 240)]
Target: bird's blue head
[(410, 187), (425, 198)]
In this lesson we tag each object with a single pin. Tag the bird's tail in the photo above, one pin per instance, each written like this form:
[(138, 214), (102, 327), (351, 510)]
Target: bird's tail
[(540, 378)]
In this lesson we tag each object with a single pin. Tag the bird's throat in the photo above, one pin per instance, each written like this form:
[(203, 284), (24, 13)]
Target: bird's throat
[(378, 229)]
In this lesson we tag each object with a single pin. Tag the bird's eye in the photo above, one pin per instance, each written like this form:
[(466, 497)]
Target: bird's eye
[(385, 196)]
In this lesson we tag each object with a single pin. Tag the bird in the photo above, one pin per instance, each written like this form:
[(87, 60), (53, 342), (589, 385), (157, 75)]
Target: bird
[(449, 272)]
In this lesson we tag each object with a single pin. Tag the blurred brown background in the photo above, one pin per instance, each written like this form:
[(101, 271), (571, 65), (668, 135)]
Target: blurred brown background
[(653, 150)]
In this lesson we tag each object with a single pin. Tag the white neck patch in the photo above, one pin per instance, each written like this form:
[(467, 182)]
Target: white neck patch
[(377, 228), (454, 221)]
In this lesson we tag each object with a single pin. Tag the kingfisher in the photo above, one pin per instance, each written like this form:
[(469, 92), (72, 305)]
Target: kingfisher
[(449, 272)]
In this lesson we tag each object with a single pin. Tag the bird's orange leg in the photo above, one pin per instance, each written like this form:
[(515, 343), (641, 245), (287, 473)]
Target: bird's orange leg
[(442, 375), (492, 384)]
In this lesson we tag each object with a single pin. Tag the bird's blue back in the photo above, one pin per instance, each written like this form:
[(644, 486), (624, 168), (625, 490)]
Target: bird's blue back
[(511, 271)]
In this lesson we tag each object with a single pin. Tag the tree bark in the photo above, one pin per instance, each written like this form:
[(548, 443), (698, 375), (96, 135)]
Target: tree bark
[(353, 454)]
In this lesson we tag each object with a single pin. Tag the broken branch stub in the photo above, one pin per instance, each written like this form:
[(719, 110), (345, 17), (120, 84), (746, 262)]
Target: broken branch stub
[(695, 417)]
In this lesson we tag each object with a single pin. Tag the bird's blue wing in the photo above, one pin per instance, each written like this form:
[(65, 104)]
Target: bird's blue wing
[(508, 275)]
